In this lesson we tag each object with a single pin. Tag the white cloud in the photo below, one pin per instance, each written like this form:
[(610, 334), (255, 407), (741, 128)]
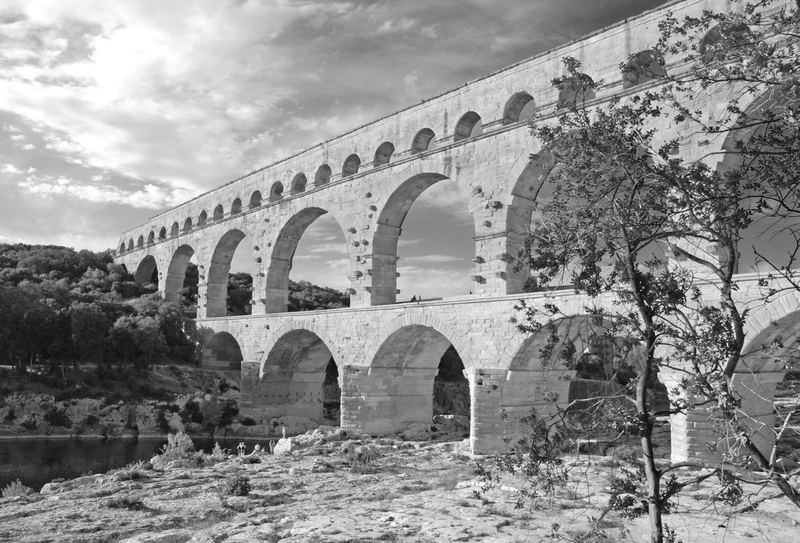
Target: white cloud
[(10, 168)]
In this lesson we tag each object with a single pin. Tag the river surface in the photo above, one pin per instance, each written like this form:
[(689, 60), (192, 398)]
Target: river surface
[(39, 461)]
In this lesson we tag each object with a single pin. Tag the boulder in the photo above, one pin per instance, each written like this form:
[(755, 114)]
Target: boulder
[(284, 446)]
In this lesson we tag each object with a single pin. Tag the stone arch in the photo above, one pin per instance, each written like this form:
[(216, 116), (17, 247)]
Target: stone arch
[(276, 191), (299, 183), (528, 192), (219, 212), (151, 238), (351, 165), (535, 381), (218, 269), (202, 219), (175, 230), (292, 375), (397, 390), (720, 38), (468, 126), (236, 206), (773, 332), (383, 153), (187, 225), (422, 140), (774, 231), (176, 273), (122, 247), (162, 234), (575, 89), (147, 271), (387, 232), (221, 350), (130, 244), (255, 199), (140, 242), (518, 108), (282, 254), (642, 67), (323, 175)]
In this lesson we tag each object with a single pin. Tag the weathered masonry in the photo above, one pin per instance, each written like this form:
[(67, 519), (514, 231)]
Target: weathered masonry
[(367, 180)]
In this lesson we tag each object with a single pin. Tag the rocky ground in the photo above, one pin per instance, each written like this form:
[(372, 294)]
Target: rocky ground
[(327, 485)]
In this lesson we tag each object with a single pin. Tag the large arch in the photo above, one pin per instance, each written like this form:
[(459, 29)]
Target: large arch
[(217, 273), (773, 333), (397, 391), (773, 229), (387, 233), (292, 377), (540, 373), (221, 350), (528, 193), (283, 250), (147, 271), (176, 273)]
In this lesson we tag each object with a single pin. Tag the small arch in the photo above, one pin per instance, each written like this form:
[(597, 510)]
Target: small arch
[(151, 238), (140, 243), (384, 153), (162, 234), (299, 183), (203, 219), (422, 140), (642, 67), (255, 199), (323, 175), (219, 213), (575, 89), (175, 230), (720, 40), (130, 244), (236, 206), (351, 165), (276, 191), (187, 225), (518, 108), (468, 126), (122, 247)]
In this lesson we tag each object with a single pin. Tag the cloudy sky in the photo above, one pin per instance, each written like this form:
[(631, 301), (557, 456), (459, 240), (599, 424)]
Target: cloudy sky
[(113, 110)]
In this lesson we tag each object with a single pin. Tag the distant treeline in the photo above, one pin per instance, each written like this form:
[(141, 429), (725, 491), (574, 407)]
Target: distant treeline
[(59, 306)]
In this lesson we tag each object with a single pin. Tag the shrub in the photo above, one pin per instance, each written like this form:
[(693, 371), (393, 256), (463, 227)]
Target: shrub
[(57, 417), (162, 422), (126, 502), (247, 421), (191, 412), (179, 446), (16, 489), (237, 485)]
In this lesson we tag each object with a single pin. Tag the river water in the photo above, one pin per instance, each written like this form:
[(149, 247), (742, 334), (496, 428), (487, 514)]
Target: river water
[(39, 461)]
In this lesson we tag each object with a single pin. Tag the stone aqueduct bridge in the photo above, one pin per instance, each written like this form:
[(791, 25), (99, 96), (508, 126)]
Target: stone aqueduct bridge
[(388, 353)]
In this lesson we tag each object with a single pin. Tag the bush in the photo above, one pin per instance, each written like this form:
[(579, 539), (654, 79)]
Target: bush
[(237, 485), (162, 422), (247, 421), (16, 489), (57, 417), (179, 446), (191, 412), (126, 502)]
